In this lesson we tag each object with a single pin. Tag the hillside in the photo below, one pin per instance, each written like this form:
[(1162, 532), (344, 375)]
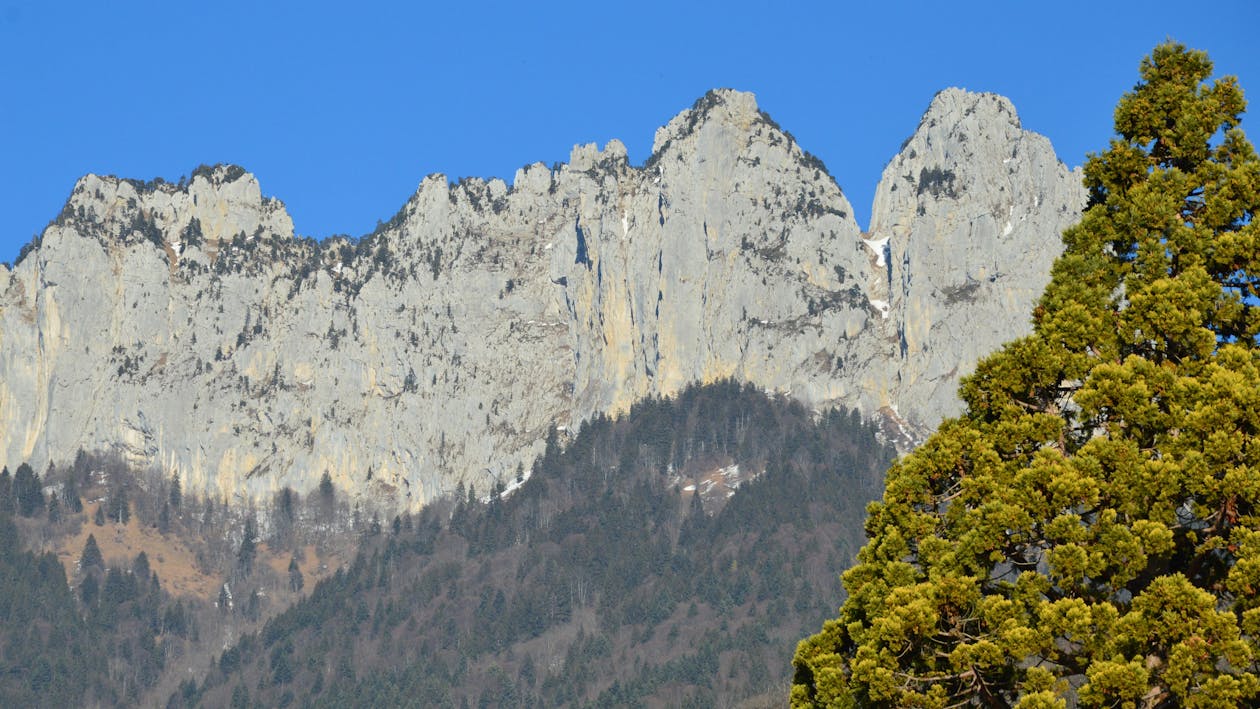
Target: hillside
[(599, 580)]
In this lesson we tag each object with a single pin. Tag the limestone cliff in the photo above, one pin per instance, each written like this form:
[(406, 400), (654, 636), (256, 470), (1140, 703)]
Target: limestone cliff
[(187, 325)]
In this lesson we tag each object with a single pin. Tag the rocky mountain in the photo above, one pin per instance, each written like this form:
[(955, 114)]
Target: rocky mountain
[(189, 327)]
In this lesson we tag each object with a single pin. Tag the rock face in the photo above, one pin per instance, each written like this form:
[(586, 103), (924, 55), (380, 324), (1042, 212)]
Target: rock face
[(970, 212), (188, 327)]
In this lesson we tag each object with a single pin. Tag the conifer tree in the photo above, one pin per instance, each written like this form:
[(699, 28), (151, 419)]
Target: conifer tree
[(6, 491), (119, 507), (295, 576), (177, 492), (27, 491), (1089, 529), (70, 491), (248, 551), (91, 556), (54, 509)]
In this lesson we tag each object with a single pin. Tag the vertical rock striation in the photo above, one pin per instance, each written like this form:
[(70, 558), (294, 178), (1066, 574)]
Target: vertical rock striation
[(970, 211), (188, 327)]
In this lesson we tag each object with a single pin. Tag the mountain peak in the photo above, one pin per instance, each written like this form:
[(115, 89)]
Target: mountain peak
[(223, 199), (953, 104), (726, 106), (248, 360)]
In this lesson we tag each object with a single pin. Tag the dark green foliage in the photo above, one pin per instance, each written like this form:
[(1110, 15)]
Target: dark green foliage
[(48, 656), (119, 508), (27, 492), (296, 582), (70, 493), (176, 496), (1087, 532), (91, 557), (598, 543), (326, 487), (247, 552), (54, 508), (936, 182)]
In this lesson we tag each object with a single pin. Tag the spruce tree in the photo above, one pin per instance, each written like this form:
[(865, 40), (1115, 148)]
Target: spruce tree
[(248, 550), (295, 576), (6, 491), (177, 492), (27, 491), (70, 491), (54, 509), (91, 556), (1089, 529)]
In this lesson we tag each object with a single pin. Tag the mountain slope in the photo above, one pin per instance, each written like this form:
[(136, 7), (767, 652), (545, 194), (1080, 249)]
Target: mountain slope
[(602, 579), (212, 341)]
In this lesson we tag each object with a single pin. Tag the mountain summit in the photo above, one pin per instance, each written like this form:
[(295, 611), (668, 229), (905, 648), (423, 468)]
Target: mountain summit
[(186, 326)]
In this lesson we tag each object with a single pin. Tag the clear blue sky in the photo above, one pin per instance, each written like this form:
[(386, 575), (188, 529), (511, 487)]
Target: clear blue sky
[(341, 108)]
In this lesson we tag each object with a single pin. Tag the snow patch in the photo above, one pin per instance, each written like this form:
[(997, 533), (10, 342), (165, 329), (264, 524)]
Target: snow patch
[(877, 247), (882, 306)]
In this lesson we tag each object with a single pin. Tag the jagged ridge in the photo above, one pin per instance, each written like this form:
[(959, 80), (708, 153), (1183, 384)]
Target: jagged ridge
[(187, 325)]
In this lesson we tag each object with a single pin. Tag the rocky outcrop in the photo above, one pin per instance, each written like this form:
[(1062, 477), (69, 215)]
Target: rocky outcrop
[(188, 327), (969, 214)]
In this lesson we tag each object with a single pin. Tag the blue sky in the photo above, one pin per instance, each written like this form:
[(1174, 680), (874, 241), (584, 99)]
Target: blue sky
[(341, 108)]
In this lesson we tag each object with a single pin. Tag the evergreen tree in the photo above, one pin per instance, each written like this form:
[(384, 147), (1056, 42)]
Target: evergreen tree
[(91, 556), (140, 567), (245, 555), (295, 576), (27, 491), (6, 491), (89, 590), (70, 493), (1092, 521), (177, 493), (98, 518), (54, 509), (326, 496), (119, 507)]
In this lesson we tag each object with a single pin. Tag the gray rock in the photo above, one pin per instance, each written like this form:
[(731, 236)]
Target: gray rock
[(187, 327)]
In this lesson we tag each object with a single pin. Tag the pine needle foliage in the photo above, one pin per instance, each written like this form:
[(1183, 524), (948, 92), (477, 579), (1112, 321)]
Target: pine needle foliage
[(1088, 531)]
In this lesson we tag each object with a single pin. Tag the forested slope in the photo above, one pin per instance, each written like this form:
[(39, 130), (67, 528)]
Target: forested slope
[(601, 579)]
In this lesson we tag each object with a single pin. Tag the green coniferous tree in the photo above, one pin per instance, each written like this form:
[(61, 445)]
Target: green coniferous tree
[(6, 491), (177, 492), (27, 491), (91, 556), (70, 491), (119, 507), (1090, 526), (248, 550), (295, 576)]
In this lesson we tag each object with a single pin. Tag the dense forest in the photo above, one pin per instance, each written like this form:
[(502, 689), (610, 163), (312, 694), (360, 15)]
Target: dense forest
[(669, 556), (604, 578), (102, 642), (115, 585)]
